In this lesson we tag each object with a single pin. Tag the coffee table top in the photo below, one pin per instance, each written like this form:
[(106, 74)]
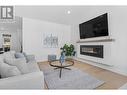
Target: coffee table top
[(56, 63)]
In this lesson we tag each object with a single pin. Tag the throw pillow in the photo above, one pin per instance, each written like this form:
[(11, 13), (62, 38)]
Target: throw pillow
[(20, 63), (24, 54), (8, 71), (19, 55), (27, 60)]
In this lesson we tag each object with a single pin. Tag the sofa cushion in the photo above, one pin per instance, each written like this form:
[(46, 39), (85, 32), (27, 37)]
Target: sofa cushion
[(20, 63), (9, 54), (19, 55), (8, 71)]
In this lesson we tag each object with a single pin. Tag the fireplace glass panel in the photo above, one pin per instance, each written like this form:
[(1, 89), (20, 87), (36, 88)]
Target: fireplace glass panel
[(92, 50)]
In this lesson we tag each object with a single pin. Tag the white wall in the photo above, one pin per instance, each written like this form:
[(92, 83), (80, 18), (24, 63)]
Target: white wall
[(33, 31), (118, 31)]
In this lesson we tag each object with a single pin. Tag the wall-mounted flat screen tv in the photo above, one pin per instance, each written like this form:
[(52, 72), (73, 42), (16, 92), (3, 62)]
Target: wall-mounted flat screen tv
[(96, 27)]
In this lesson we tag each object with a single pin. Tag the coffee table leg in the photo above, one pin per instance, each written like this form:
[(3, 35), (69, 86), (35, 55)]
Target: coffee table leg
[(60, 72), (67, 68)]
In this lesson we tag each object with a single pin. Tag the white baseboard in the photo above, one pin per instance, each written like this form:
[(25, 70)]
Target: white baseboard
[(107, 67)]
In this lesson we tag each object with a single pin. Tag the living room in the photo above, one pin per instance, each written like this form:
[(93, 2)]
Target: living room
[(69, 28), (44, 30)]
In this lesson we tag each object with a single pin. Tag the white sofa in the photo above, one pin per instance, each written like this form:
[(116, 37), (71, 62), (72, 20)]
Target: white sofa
[(32, 80)]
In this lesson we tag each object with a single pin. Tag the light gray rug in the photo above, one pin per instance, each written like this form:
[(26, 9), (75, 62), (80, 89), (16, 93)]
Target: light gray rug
[(70, 79)]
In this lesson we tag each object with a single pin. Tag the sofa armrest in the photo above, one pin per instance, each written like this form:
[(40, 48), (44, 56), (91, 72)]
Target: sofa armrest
[(33, 80)]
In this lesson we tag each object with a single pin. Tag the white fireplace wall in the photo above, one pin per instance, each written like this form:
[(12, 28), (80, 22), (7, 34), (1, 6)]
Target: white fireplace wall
[(117, 23)]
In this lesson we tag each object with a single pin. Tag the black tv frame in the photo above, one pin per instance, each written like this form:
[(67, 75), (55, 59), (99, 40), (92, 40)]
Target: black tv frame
[(93, 21)]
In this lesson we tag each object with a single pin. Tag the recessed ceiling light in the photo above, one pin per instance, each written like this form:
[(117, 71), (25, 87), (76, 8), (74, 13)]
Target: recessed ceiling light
[(68, 12)]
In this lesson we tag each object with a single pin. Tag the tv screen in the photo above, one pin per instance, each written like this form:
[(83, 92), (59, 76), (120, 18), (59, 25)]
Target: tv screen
[(96, 27)]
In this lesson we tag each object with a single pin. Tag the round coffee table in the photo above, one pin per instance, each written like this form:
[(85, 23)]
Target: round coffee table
[(58, 65)]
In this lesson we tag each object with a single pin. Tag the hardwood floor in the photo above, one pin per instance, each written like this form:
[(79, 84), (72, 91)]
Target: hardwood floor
[(112, 80)]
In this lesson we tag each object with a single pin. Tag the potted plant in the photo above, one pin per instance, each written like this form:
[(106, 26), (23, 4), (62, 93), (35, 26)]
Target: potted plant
[(68, 50)]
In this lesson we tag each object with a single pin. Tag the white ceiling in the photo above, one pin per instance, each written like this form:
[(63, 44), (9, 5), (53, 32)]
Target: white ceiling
[(58, 14)]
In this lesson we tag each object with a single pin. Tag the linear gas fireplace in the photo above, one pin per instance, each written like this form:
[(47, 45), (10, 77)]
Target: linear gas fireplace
[(92, 50)]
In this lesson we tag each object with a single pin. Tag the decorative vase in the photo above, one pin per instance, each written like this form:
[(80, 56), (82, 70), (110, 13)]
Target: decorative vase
[(62, 58)]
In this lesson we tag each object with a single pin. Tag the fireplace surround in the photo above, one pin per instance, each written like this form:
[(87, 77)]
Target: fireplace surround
[(92, 50)]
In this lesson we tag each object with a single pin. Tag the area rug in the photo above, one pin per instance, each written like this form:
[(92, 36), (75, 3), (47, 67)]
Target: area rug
[(70, 79)]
